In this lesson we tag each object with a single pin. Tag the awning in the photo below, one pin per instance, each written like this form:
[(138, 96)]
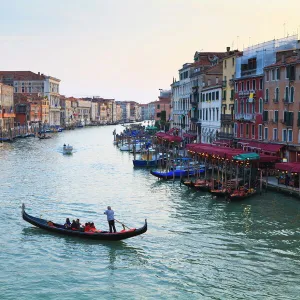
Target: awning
[(246, 156), (289, 167), (264, 147), (190, 136)]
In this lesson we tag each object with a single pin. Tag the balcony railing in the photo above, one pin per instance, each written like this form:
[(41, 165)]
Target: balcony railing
[(226, 117), (247, 93), (225, 135), (245, 117)]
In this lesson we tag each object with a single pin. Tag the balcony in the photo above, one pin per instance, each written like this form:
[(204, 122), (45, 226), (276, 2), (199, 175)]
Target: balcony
[(226, 117), (245, 117), (287, 123), (247, 93), (286, 101), (224, 135)]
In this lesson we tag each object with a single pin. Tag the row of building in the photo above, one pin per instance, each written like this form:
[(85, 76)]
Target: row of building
[(249, 97), (31, 99)]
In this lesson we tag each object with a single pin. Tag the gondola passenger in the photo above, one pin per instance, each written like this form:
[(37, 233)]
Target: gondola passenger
[(67, 224), (74, 225)]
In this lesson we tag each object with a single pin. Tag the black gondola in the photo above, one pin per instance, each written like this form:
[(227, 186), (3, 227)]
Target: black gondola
[(44, 137), (239, 196), (98, 235)]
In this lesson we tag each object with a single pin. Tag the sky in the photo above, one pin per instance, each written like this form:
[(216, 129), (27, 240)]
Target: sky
[(129, 49)]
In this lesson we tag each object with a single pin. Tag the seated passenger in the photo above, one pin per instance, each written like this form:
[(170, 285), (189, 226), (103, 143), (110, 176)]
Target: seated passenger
[(78, 223), (93, 228), (74, 225), (87, 227), (67, 223)]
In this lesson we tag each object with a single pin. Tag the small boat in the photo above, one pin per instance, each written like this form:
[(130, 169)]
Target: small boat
[(178, 173), (220, 192), (67, 149), (45, 137), (239, 195), (97, 235), (146, 159)]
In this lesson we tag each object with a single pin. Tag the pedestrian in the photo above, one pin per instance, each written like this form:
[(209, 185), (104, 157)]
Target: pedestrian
[(110, 219)]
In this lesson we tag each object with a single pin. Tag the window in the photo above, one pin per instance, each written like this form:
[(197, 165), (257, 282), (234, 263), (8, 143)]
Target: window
[(261, 84), (284, 135), (231, 94), (277, 95), (286, 95), (267, 75), (290, 135), (253, 106), (217, 95), (224, 95), (242, 86), (253, 131), (16, 89), (260, 131), (235, 128), (236, 87), (23, 89), (213, 97), (254, 85), (242, 130), (266, 133), (242, 107), (292, 94), (273, 74), (267, 96), (247, 130), (277, 74), (158, 115), (247, 107), (236, 106), (209, 96), (225, 64), (158, 106), (217, 80), (248, 85), (276, 116), (233, 61), (265, 115), (210, 114), (217, 111), (213, 114), (275, 134), (261, 106)]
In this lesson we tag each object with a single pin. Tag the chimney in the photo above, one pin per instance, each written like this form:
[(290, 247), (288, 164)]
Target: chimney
[(227, 49)]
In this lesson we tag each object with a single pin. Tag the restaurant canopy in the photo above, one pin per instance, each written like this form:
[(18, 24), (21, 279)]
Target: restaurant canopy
[(264, 147), (288, 167), (247, 156), (169, 137)]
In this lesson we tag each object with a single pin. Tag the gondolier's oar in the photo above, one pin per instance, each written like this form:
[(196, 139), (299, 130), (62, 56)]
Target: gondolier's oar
[(122, 224)]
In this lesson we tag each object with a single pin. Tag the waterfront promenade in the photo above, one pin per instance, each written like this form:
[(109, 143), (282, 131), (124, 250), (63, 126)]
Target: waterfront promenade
[(195, 246)]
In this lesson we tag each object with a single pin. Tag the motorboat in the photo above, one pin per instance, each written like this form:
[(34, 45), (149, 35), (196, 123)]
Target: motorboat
[(67, 149)]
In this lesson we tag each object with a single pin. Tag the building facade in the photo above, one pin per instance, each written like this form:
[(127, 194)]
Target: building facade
[(7, 113)]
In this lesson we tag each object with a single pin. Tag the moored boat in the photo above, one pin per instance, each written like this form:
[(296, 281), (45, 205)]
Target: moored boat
[(239, 195), (176, 173), (96, 235)]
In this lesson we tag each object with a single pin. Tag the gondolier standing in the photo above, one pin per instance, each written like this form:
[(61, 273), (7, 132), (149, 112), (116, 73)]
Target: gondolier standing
[(110, 219)]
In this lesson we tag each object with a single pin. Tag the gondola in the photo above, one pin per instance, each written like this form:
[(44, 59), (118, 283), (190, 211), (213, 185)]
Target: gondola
[(44, 137), (241, 195), (98, 235), (219, 192)]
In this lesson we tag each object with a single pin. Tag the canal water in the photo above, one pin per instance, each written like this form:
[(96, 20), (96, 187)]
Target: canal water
[(196, 247)]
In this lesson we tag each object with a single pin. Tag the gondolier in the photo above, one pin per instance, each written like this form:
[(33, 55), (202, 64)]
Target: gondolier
[(110, 219)]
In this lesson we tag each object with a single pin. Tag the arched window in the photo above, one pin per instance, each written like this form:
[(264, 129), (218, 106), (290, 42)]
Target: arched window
[(267, 96), (261, 105), (286, 96), (277, 95), (242, 107), (292, 94), (236, 110)]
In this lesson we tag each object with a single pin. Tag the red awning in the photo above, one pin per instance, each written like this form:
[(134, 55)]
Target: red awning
[(268, 158), (289, 167), (262, 146), (189, 136)]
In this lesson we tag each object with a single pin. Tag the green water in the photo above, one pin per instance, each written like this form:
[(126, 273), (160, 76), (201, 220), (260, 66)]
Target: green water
[(196, 247)]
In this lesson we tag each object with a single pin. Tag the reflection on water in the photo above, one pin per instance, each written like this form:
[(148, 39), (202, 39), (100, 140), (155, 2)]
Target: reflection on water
[(195, 246)]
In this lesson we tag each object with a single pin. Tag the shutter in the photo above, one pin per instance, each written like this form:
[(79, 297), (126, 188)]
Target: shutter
[(285, 117)]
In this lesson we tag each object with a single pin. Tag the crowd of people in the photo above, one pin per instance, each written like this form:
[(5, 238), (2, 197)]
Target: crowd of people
[(90, 226), (76, 225)]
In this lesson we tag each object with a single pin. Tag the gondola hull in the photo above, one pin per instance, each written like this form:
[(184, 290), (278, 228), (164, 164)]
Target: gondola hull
[(176, 174), (101, 236), (237, 197)]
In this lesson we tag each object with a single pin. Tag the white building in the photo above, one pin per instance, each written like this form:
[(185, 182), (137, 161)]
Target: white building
[(210, 112), (84, 111), (181, 105)]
